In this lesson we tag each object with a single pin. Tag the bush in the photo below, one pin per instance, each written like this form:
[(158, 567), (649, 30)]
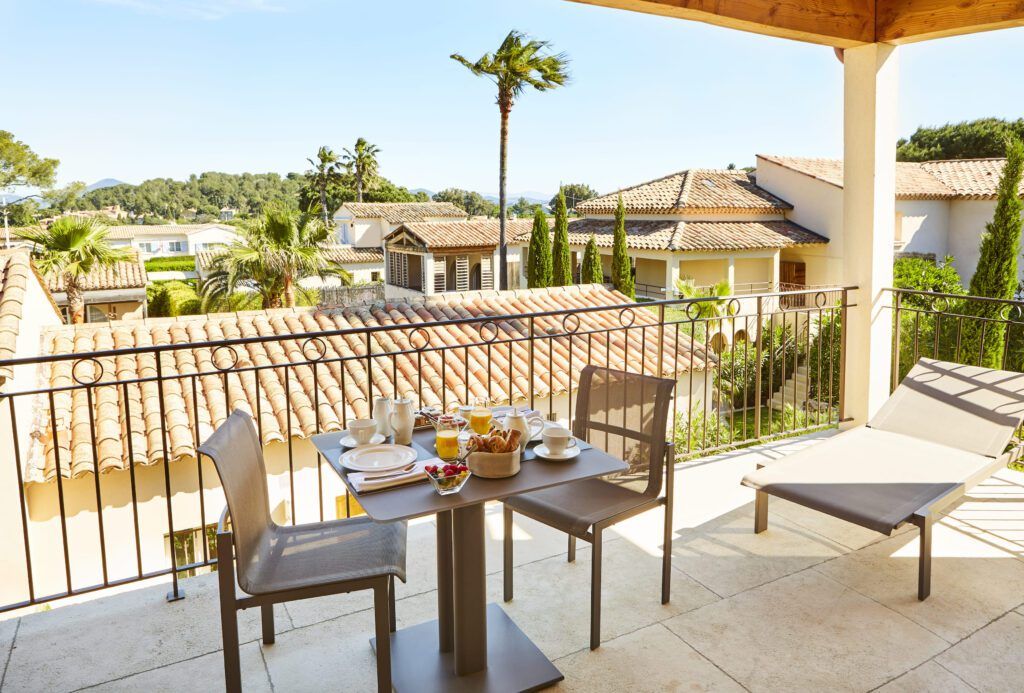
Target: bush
[(173, 298), (179, 263)]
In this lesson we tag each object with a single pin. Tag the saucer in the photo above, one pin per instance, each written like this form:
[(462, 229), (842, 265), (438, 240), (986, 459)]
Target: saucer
[(568, 454), (349, 442)]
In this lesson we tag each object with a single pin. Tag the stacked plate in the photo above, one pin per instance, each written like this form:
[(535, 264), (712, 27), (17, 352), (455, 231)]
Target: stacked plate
[(378, 458)]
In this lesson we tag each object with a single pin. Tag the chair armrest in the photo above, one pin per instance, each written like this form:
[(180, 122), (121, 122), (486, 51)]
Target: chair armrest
[(224, 521)]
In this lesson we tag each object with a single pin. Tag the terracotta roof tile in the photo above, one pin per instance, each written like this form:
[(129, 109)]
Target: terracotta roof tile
[(15, 268), (402, 212), (698, 236), (692, 190), (128, 274), (472, 233), (124, 231), (336, 389), (954, 179)]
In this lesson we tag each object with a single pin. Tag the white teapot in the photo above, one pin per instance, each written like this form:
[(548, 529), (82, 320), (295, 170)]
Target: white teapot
[(402, 419), (528, 425)]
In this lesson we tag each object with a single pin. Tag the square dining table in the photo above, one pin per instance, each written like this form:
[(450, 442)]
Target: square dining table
[(472, 645)]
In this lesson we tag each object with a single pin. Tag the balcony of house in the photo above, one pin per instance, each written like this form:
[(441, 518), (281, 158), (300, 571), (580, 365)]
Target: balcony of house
[(111, 513)]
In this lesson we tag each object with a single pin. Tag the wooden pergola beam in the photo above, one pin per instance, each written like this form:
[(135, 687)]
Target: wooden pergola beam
[(840, 23), (906, 21)]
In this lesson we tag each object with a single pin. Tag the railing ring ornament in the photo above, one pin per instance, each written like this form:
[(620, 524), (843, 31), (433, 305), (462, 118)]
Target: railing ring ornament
[(97, 373)]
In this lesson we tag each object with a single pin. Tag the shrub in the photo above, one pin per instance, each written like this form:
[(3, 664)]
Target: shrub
[(180, 263)]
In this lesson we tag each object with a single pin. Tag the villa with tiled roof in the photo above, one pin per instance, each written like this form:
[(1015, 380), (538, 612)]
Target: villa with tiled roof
[(941, 206), (367, 224)]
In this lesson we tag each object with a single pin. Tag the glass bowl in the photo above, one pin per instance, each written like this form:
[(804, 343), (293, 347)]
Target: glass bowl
[(447, 485)]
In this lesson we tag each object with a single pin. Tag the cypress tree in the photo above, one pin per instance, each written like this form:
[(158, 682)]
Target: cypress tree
[(622, 277), (996, 276), (561, 269), (538, 271), (591, 271)]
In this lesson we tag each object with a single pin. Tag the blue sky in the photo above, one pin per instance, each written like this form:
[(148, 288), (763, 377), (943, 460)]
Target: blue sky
[(134, 89)]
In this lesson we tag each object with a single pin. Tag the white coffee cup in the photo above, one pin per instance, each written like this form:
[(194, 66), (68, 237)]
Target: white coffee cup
[(362, 430), (557, 439)]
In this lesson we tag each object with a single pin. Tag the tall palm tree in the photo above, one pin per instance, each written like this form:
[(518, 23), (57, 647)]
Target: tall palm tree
[(362, 161), (272, 254), (325, 174), (518, 63), (70, 248)]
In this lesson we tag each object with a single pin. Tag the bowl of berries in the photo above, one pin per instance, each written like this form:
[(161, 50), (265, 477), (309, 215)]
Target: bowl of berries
[(448, 478)]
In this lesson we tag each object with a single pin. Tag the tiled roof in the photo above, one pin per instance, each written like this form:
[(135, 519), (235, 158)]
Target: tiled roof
[(128, 274), (341, 254), (15, 268), (473, 233), (402, 212), (692, 190), (697, 236), (339, 387), (970, 178), (929, 180), (139, 230)]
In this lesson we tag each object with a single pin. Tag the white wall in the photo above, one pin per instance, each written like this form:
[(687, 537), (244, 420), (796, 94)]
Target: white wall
[(924, 227), (207, 238), (967, 219)]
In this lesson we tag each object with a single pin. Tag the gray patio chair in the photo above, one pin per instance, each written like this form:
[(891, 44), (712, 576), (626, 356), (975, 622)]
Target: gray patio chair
[(285, 563), (626, 415), (944, 429)]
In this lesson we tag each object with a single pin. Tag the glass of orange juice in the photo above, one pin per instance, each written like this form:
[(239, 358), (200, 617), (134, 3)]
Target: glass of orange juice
[(447, 441), (480, 417)]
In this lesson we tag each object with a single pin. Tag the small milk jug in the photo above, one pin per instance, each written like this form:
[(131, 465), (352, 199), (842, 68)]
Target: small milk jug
[(403, 418), (382, 415)]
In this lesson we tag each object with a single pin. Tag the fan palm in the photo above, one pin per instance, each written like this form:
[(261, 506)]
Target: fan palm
[(326, 174), (361, 160), (518, 63), (271, 255), (70, 248)]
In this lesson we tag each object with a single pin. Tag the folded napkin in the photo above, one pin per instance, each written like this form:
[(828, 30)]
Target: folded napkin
[(374, 481)]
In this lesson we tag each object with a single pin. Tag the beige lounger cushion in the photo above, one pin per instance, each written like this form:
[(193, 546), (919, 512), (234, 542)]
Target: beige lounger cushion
[(876, 479), (966, 407)]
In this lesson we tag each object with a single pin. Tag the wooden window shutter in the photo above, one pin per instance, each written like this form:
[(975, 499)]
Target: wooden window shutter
[(462, 273), (440, 274), (486, 274)]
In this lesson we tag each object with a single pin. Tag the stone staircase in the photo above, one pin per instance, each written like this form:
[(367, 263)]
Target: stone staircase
[(796, 388)]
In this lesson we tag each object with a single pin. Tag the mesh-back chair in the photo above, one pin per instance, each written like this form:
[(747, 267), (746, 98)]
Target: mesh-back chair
[(626, 415), (284, 563)]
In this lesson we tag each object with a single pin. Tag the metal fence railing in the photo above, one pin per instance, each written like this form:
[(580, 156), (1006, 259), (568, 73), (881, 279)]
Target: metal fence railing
[(102, 485), (954, 327)]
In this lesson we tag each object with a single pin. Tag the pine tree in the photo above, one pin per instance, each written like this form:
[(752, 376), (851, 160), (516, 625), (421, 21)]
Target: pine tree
[(561, 267), (622, 276), (996, 276), (538, 270), (591, 272)]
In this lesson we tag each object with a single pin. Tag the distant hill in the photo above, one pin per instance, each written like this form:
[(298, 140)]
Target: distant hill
[(430, 193), (105, 183), (532, 196)]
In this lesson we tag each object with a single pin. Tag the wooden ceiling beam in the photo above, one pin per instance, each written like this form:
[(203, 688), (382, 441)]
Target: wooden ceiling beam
[(839, 23), (906, 21)]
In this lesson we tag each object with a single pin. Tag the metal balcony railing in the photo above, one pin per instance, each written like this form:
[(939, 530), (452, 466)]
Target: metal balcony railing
[(102, 486)]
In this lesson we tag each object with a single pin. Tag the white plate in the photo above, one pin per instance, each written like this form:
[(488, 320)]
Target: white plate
[(378, 458), (569, 453), (350, 442)]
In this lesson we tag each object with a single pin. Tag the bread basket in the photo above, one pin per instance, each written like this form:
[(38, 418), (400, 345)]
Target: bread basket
[(494, 465)]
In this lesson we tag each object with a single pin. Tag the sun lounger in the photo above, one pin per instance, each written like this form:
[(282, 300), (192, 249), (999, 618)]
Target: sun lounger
[(945, 429)]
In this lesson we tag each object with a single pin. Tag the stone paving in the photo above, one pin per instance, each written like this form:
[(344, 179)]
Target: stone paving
[(813, 604)]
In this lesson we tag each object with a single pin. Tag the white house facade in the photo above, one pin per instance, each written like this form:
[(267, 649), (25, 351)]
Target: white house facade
[(171, 239), (367, 224)]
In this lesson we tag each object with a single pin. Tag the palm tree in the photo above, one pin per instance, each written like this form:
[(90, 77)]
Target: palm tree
[(326, 174), (362, 161), (518, 63), (71, 247), (272, 254)]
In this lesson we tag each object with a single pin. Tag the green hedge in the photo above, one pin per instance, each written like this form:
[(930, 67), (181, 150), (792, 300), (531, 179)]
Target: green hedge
[(173, 298), (178, 263)]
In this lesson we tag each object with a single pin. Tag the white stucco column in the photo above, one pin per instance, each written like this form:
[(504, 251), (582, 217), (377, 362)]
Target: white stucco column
[(869, 210), (775, 271), (671, 275), (730, 272)]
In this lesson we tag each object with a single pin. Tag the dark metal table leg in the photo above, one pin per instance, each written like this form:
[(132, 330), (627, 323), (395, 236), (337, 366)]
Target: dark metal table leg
[(445, 608), (470, 584)]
